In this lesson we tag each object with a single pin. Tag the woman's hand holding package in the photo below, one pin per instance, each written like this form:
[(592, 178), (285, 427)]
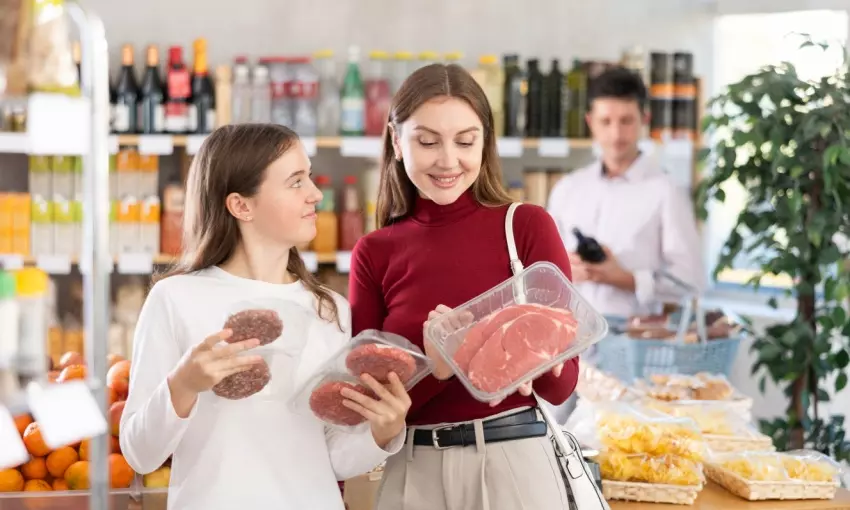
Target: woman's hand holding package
[(205, 365), (387, 414)]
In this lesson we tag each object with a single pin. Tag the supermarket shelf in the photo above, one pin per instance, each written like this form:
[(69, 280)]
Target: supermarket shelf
[(144, 264)]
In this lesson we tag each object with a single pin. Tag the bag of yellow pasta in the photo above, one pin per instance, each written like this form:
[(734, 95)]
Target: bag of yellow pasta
[(642, 468)]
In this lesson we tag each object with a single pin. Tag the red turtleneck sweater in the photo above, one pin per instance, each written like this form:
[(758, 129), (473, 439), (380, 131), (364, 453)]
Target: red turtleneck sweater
[(448, 255)]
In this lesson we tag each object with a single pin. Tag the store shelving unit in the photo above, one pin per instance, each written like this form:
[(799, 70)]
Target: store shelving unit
[(59, 124)]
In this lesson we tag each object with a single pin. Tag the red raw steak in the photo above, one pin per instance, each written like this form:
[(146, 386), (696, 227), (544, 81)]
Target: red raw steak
[(506, 345)]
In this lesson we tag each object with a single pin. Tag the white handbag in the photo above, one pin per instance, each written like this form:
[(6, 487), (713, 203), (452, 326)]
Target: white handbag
[(583, 491)]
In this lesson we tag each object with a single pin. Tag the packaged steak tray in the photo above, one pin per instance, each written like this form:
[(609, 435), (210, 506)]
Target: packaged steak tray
[(371, 352), (516, 331)]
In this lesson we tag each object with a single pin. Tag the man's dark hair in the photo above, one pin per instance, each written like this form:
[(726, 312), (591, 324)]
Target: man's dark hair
[(618, 83)]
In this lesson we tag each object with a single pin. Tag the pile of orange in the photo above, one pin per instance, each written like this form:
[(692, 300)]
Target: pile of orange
[(67, 468)]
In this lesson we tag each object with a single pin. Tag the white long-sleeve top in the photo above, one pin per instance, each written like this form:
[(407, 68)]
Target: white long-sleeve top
[(646, 220), (253, 453)]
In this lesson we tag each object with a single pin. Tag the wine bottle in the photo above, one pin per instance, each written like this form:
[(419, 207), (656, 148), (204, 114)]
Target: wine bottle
[(126, 94), (589, 249), (152, 105)]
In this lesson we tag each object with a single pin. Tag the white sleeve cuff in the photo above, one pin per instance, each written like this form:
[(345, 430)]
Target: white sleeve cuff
[(644, 286), (397, 442)]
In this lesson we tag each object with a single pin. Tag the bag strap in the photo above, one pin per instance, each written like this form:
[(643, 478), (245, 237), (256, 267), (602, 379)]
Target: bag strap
[(516, 263), (581, 484)]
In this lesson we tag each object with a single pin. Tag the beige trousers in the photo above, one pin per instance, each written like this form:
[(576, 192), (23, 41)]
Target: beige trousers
[(509, 475)]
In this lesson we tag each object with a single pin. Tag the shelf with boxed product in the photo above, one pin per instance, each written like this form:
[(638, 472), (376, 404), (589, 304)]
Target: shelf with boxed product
[(145, 263), (363, 147)]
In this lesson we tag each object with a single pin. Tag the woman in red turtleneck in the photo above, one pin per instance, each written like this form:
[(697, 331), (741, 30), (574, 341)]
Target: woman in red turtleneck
[(441, 241)]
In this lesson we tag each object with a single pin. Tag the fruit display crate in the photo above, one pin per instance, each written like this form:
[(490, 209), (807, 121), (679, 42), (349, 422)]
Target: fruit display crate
[(134, 498)]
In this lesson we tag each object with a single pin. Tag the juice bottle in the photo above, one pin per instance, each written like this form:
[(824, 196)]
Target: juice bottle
[(353, 98), (326, 222), (377, 94), (491, 78), (351, 217)]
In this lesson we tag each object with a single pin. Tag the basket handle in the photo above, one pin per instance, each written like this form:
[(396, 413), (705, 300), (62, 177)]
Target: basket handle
[(691, 308)]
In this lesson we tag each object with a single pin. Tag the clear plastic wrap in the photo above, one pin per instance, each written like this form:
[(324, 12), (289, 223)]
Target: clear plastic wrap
[(630, 428), (516, 331), (642, 468), (799, 466), (712, 418), (51, 62), (282, 327), (702, 386), (373, 352)]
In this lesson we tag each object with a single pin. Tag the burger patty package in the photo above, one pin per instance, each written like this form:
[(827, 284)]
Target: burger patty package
[(281, 326), (516, 331), (371, 352)]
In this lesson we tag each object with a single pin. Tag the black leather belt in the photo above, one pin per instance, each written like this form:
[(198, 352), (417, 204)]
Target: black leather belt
[(522, 425)]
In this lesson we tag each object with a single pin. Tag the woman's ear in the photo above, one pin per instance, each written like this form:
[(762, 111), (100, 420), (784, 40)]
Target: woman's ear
[(239, 207), (396, 144)]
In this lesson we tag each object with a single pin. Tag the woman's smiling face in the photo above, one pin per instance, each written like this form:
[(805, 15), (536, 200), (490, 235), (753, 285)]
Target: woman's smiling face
[(441, 146)]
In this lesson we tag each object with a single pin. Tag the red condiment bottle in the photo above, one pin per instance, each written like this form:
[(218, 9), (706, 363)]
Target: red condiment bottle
[(351, 217)]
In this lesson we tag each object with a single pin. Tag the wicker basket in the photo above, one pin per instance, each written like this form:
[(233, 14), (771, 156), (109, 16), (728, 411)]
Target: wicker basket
[(734, 444), (757, 491), (650, 492)]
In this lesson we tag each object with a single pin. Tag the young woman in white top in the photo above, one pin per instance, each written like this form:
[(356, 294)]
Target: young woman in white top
[(249, 202)]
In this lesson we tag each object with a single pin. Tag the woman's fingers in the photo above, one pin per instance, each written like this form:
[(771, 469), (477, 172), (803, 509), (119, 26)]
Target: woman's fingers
[(525, 389), (238, 363), (376, 406), (558, 370), (398, 390), (216, 338), (441, 309), (361, 410), (230, 350)]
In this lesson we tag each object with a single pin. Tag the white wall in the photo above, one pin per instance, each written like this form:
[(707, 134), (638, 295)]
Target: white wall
[(543, 28)]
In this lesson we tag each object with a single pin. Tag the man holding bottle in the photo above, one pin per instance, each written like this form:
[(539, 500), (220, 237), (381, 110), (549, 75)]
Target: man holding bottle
[(640, 220)]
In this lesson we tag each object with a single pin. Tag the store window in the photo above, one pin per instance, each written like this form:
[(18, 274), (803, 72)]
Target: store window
[(744, 43)]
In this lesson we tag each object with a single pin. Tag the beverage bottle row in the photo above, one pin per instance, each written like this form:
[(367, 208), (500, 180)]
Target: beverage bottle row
[(183, 102)]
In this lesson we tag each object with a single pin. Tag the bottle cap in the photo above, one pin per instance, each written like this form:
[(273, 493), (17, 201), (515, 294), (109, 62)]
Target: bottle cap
[(323, 180), (488, 60), (8, 287), (351, 179), (31, 281)]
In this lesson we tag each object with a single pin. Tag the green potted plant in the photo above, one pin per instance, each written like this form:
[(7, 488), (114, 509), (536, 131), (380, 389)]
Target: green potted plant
[(787, 141)]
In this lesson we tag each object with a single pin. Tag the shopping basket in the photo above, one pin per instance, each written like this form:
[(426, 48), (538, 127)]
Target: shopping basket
[(629, 358)]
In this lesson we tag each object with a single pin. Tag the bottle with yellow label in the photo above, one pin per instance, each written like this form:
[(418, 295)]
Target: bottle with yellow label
[(31, 285)]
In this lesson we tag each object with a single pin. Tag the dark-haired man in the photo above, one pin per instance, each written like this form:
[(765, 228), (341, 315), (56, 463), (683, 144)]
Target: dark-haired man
[(628, 203)]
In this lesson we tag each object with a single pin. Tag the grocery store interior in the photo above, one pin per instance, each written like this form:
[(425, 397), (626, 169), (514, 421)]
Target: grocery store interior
[(733, 398)]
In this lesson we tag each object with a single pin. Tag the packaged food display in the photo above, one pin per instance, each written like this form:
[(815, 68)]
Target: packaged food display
[(596, 385), (699, 388), (629, 428), (800, 466), (665, 469), (371, 352), (516, 331), (280, 326)]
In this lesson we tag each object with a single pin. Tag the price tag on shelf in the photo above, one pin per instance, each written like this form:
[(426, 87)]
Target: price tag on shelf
[(193, 143), (135, 263), (14, 143), (58, 124), (114, 146), (553, 148), (360, 147), (509, 147), (343, 261), (54, 264), (160, 145), (66, 413), (309, 143), (84, 265), (13, 453), (310, 260), (11, 262)]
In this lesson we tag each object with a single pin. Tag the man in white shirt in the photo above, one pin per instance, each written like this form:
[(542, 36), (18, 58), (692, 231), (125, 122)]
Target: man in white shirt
[(641, 217)]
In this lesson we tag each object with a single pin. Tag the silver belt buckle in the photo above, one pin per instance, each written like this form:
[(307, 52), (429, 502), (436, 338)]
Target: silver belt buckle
[(435, 441)]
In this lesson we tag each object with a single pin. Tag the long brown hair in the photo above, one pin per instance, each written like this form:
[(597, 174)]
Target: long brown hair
[(396, 193), (233, 159)]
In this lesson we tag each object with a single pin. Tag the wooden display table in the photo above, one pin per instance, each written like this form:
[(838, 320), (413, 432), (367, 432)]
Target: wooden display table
[(714, 497)]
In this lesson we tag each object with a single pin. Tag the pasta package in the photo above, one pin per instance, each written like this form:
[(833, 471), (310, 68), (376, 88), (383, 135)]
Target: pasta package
[(800, 466), (633, 429), (641, 468)]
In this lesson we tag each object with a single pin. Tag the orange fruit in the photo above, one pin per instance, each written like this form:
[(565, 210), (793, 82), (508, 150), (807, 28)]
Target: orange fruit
[(71, 373), (37, 486), (35, 469), (118, 378), (60, 460), (77, 476), (11, 480), (115, 413), (120, 473), (22, 422), (34, 442), (112, 359), (60, 484), (52, 376), (70, 358), (111, 396), (115, 447)]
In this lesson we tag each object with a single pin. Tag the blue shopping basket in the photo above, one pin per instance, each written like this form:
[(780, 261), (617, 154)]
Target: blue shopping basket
[(629, 358)]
